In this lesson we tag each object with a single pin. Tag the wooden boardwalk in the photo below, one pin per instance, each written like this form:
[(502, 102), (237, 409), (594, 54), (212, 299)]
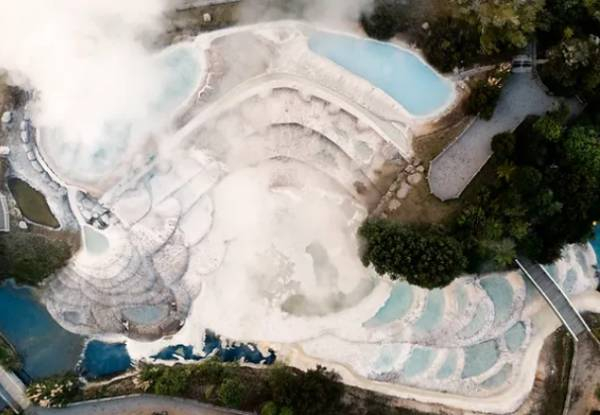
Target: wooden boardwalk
[(555, 296)]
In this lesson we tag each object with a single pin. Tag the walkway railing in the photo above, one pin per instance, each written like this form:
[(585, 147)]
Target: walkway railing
[(555, 296)]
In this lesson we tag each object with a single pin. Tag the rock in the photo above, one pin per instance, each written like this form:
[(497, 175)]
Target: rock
[(23, 225), (425, 26), (403, 191), (421, 169), (394, 205), (415, 179), (410, 169)]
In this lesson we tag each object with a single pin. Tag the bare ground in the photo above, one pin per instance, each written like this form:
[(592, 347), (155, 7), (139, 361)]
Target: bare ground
[(586, 382)]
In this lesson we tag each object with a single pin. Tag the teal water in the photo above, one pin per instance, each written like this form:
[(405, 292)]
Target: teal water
[(183, 71), (480, 358), (420, 359), (448, 367), (515, 336), (398, 72), (498, 379), (433, 312), (476, 324), (101, 360), (395, 307), (95, 243), (146, 314), (501, 293), (45, 347)]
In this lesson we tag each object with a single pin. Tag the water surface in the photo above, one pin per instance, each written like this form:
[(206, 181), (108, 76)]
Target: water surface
[(398, 72)]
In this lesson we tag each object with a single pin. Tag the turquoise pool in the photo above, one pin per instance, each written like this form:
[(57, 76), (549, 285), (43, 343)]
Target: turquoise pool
[(501, 293), (396, 71), (479, 358), (433, 312), (396, 306)]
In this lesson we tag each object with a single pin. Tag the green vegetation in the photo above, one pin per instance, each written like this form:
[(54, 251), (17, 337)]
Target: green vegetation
[(545, 194), (32, 203), (278, 390), (56, 391), (425, 256), (30, 258), (9, 359), (485, 93)]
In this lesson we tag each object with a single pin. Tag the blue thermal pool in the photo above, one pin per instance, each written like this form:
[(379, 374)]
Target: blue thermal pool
[(95, 243), (180, 71), (501, 293), (480, 358), (433, 312), (214, 347), (147, 314), (398, 72), (102, 360), (476, 324), (45, 347), (420, 359), (515, 336), (499, 378), (448, 367), (396, 306)]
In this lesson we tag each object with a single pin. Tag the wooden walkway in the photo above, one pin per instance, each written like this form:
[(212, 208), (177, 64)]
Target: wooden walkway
[(555, 296)]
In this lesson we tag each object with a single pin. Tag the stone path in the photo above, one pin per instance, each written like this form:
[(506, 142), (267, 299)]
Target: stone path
[(138, 405), (452, 171)]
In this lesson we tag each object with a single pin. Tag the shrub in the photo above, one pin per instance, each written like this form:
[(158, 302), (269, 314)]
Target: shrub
[(233, 393), (55, 391), (385, 19), (503, 146)]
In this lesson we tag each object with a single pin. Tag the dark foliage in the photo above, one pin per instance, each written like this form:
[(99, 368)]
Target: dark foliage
[(450, 43), (425, 256), (30, 258), (385, 19)]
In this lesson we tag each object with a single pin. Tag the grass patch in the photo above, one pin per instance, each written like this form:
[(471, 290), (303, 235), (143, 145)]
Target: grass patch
[(9, 359), (32, 203)]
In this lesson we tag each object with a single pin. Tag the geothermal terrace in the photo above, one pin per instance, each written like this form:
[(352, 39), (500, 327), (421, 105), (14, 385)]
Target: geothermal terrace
[(240, 215)]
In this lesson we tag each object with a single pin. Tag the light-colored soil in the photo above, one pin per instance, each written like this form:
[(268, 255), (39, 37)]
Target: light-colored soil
[(421, 206)]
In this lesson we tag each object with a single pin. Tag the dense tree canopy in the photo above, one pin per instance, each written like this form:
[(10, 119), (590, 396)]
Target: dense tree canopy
[(30, 258), (503, 24), (424, 256)]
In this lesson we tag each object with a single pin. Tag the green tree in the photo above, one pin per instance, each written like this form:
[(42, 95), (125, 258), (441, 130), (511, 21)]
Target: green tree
[(503, 146), (233, 392), (425, 256), (504, 24)]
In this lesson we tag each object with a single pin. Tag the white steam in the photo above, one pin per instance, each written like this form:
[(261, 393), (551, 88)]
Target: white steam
[(85, 57)]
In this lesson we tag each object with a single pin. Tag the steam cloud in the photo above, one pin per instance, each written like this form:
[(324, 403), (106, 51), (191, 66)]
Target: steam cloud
[(90, 61), (86, 57)]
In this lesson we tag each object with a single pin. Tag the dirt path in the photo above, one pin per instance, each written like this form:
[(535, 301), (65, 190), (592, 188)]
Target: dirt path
[(138, 405)]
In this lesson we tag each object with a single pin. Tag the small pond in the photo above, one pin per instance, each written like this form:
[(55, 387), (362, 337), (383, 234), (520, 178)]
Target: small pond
[(32, 203)]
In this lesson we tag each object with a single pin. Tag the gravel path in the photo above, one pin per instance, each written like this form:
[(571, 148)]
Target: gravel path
[(452, 171), (138, 405)]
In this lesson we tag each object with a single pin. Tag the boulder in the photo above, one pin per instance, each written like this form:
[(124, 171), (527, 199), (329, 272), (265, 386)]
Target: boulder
[(415, 179)]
